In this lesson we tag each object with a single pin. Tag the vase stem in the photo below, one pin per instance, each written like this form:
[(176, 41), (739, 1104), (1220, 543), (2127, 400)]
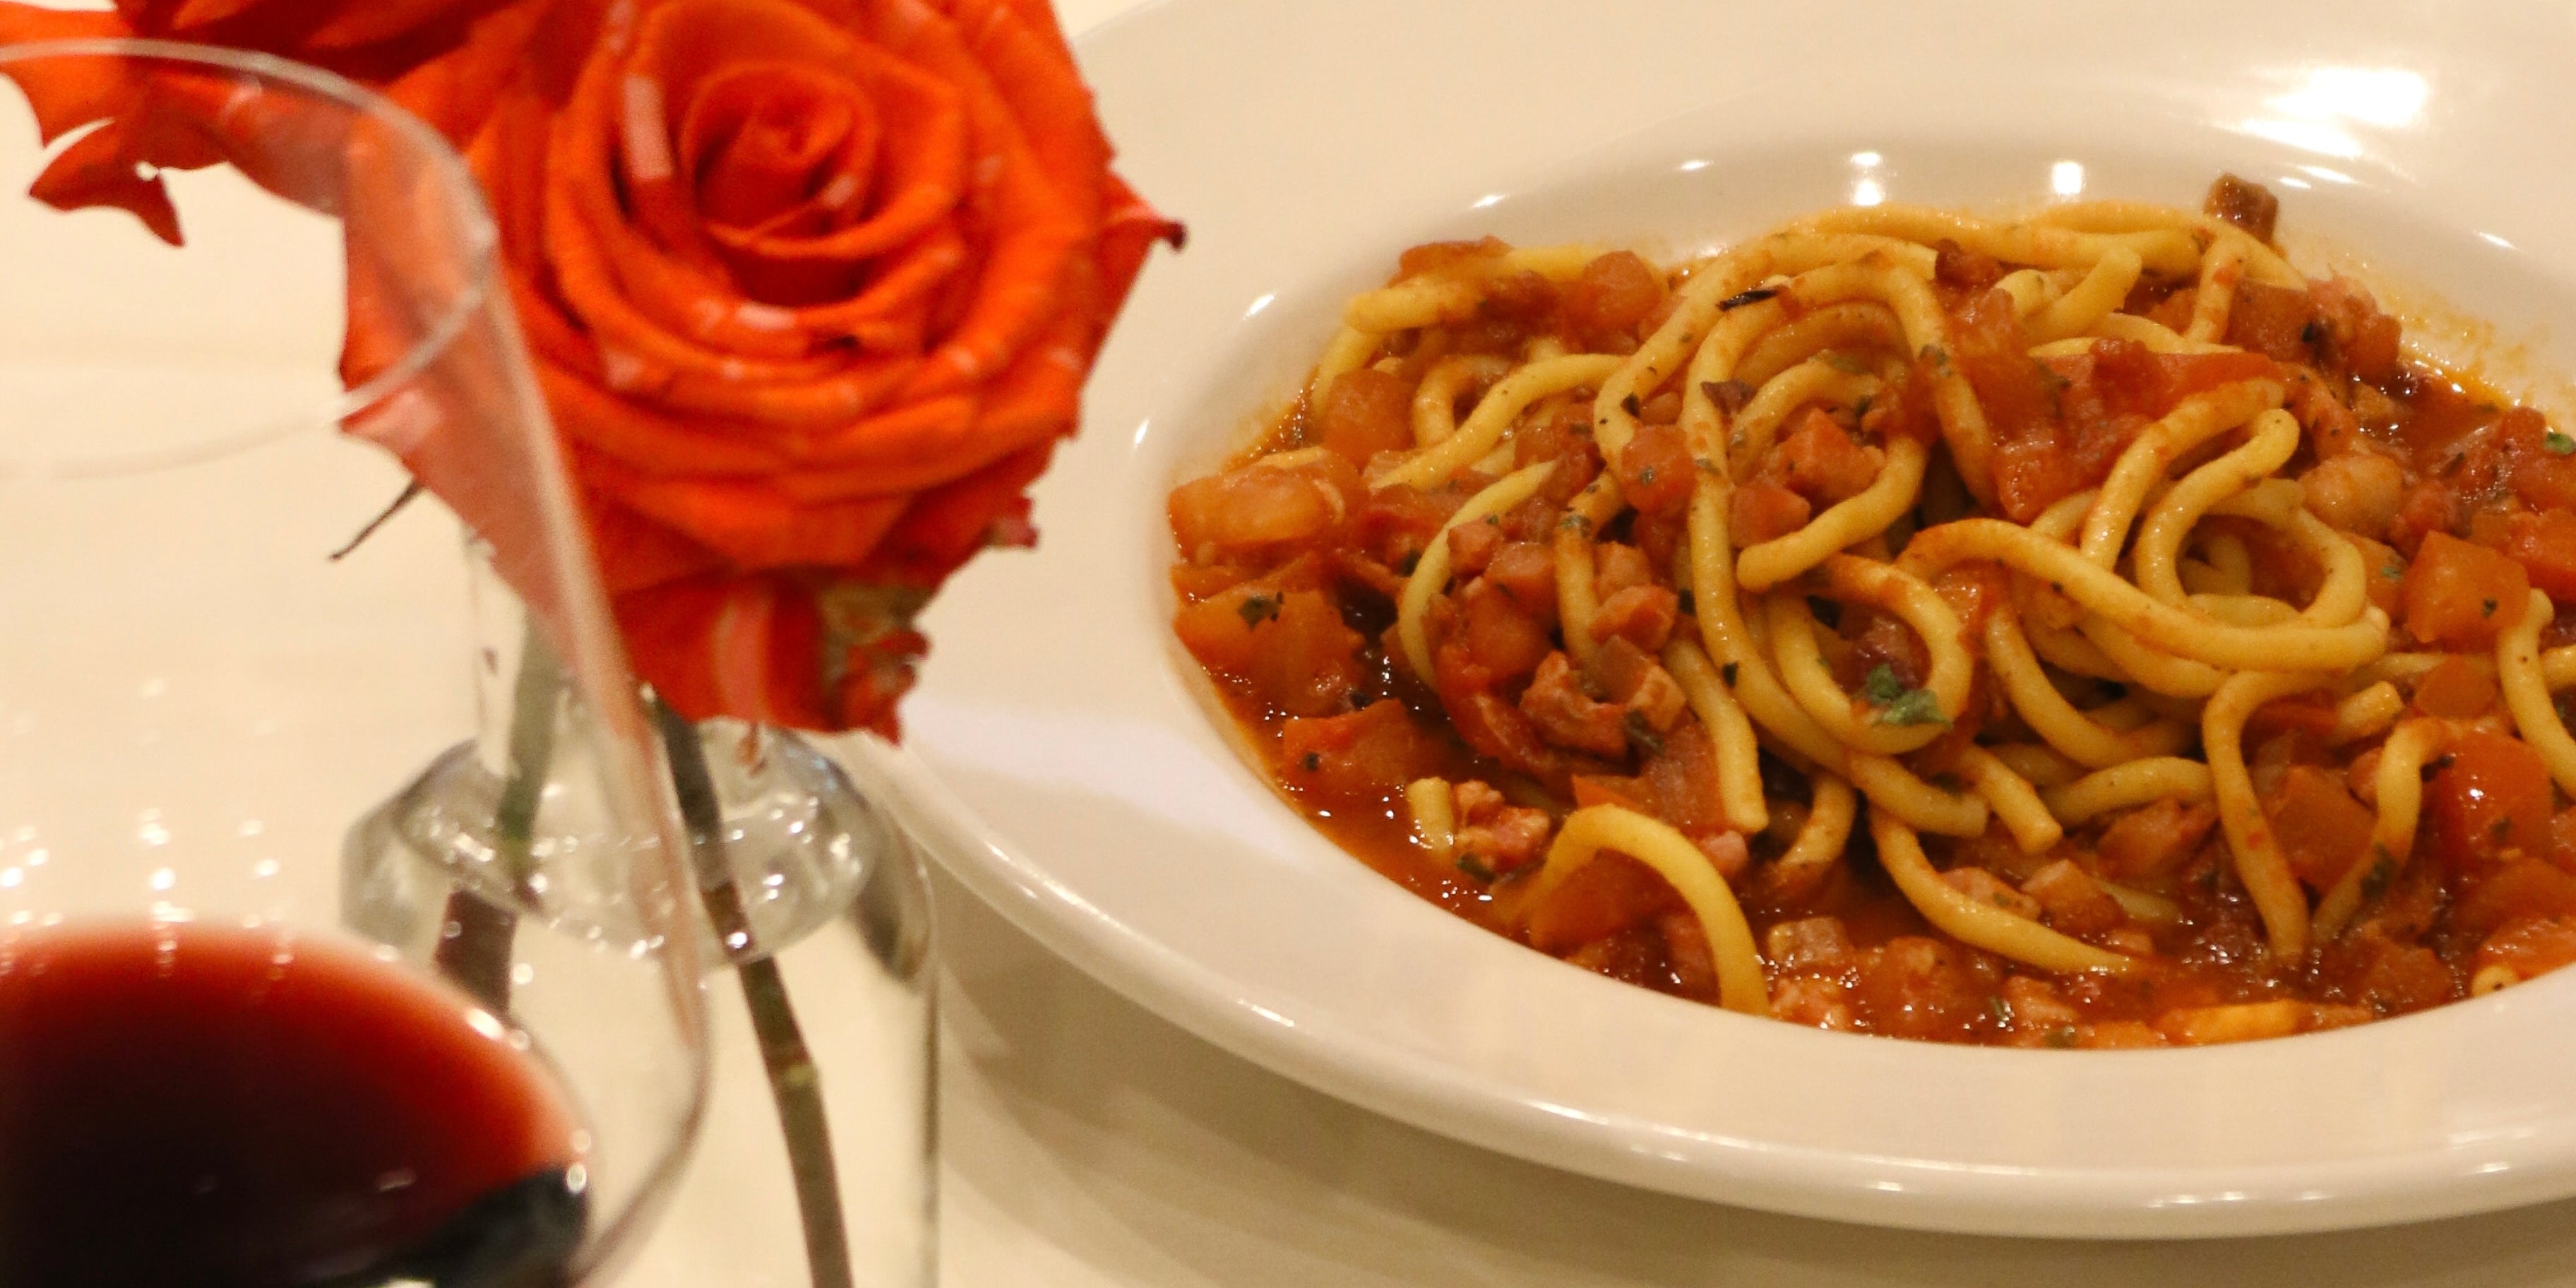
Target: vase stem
[(794, 1082), (476, 953)]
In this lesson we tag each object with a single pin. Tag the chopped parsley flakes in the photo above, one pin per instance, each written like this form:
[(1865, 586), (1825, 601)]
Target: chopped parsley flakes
[(1898, 705), (1882, 686)]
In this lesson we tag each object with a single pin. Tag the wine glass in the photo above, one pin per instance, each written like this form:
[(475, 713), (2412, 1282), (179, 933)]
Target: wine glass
[(219, 1062)]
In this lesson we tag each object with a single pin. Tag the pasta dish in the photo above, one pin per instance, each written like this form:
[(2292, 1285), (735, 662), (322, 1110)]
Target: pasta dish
[(2085, 631)]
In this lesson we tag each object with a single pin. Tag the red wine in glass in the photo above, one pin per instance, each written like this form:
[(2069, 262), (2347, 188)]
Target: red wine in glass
[(204, 1106)]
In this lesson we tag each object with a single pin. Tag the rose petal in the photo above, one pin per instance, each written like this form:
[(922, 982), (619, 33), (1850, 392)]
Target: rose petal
[(98, 170), (193, 14), (66, 94), (746, 647), (765, 140), (752, 523), (455, 90), (945, 526), (636, 552), (1030, 69), (646, 441), (1038, 231), (363, 22), (924, 153)]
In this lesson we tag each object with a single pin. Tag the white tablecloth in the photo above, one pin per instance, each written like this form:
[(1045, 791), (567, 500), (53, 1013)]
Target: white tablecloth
[(1086, 1143)]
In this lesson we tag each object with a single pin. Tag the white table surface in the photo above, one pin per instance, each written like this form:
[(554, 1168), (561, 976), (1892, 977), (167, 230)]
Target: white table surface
[(1086, 1143)]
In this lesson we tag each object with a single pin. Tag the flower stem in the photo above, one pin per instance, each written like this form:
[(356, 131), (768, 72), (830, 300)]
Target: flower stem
[(476, 957), (794, 1082)]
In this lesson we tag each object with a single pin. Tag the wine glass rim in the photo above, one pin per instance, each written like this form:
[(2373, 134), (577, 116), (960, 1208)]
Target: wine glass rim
[(478, 237)]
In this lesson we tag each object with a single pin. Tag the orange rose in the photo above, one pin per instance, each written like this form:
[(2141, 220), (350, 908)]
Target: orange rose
[(813, 289), (442, 59)]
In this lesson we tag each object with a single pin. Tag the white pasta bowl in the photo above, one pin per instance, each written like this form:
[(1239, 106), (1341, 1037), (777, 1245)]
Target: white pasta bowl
[(1067, 762)]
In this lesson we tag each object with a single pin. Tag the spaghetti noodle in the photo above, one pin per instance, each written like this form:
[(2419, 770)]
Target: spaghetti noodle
[(2084, 630)]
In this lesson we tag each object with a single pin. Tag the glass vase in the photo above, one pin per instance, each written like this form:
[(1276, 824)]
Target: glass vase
[(814, 1163)]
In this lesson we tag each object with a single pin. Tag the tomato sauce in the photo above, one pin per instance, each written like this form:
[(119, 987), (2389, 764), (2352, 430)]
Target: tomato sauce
[(1289, 566)]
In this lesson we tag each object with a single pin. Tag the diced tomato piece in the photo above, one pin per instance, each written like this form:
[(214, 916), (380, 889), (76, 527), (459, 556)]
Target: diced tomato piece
[(1601, 789), (1526, 571), (1619, 566), (2311, 714), (1973, 591), (1762, 510), (2072, 900), (1565, 715), (2365, 339), (1360, 569), (2530, 945), (1686, 951), (2522, 887), (2493, 796), (1819, 461), (2249, 206), (2034, 465), (1365, 412), (1194, 582), (1971, 272), (1885, 639), (1449, 256), (2383, 576), (2562, 839), (2545, 545), (1496, 728), (1662, 537), (1655, 472), (1259, 507), (2460, 595), (1903, 409), (2032, 474), (1502, 636), (1506, 839), (1612, 295), (1565, 438), (2275, 321), (2174, 311), (2154, 839), (1397, 523), (2322, 829), (1651, 694), (1917, 988), (1680, 780), (2396, 977), (1218, 630), (2373, 351), (1642, 615), (2457, 688), (1302, 659), (2129, 379), (1990, 890), (1603, 897), (2440, 413), (2545, 480), (1368, 754), (2186, 374), (2428, 507), (1522, 298), (1618, 669), (1472, 546)]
